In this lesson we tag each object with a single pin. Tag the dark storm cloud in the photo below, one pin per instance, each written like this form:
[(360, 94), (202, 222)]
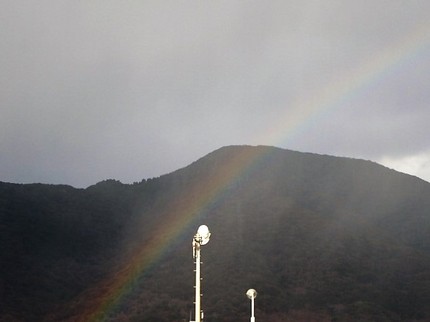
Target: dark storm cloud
[(135, 89)]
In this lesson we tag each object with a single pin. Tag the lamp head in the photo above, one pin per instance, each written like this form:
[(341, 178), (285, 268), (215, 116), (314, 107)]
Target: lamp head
[(251, 293), (204, 234)]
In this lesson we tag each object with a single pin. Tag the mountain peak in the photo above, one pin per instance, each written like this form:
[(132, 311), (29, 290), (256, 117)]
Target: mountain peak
[(319, 237)]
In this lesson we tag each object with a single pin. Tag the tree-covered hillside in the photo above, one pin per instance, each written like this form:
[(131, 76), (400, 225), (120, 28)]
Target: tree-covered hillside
[(320, 238)]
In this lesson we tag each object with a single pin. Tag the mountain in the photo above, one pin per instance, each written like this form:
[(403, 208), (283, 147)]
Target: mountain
[(320, 238)]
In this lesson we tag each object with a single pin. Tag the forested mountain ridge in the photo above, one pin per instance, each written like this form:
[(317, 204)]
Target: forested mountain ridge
[(321, 238)]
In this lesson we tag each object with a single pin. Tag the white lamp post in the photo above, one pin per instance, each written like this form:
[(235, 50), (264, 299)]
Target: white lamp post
[(252, 294), (201, 238)]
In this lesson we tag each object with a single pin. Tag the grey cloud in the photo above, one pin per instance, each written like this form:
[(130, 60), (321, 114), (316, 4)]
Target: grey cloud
[(136, 89)]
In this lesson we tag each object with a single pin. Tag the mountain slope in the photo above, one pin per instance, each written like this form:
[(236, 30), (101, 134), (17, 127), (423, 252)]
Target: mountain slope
[(321, 238)]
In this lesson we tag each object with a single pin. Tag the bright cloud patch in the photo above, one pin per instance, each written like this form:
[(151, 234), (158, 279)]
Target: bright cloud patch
[(417, 165)]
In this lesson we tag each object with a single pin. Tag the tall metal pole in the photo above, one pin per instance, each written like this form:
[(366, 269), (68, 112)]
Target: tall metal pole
[(201, 238)]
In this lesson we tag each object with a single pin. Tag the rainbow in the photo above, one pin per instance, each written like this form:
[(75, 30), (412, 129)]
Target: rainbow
[(106, 296), (347, 85), (182, 212)]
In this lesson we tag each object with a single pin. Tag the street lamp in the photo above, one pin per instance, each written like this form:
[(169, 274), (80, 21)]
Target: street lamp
[(252, 294), (201, 238)]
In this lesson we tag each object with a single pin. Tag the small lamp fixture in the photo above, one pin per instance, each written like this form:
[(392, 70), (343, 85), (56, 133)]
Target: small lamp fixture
[(252, 294)]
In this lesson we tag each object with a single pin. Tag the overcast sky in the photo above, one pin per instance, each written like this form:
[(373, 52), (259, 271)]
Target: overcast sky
[(127, 90)]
